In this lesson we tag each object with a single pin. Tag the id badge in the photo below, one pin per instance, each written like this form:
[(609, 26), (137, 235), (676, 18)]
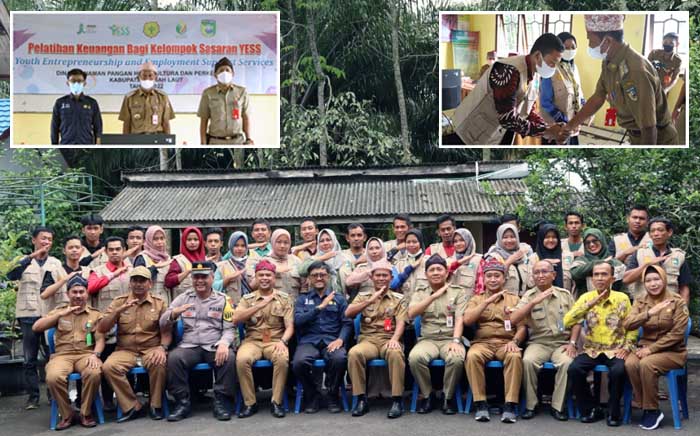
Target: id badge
[(507, 325), (387, 325), (450, 320), (235, 113), (266, 335), (154, 119), (560, 325)]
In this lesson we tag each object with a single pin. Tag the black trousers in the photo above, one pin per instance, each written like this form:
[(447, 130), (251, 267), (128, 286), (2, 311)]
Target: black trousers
[(182, 360), (310, 377), (31, 344), (578, 371)]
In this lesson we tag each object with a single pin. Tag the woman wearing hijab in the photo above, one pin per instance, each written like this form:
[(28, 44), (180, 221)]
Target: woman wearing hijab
[(595, 247), (230, 277), (663, 317), (328, 250), (191, 250), (411, 269), (548, 248), (508, 251), (359, 279), (155, 257), (464, 266), (287, 277), (561, 96)]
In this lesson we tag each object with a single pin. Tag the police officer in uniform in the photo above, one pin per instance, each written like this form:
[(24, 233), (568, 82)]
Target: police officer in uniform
[(543, 308), (671, 259), (666, 61), (663, 317), (77, 349), (441, 306), (629, 83), (268, 317), (146, 109), (209, 336), (383, 320), (28, 309), (323, 332), (139, 342), (76, 117), (223, 109)]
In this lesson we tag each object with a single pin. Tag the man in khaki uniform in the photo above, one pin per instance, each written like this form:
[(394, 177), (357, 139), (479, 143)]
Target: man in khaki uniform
[(629, 83), (671, 259), (77, 348), (28, 309), (383, 320), (223, 109), (440, 306), (667, 62), (139, 342), (497, 337), (146, 109), (268, 315), (543, 308)]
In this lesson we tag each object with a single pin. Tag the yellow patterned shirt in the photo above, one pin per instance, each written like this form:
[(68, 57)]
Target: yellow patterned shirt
[(603, 328)]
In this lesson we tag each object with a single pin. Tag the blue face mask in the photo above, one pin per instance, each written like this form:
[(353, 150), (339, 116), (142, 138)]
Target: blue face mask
[(76, 87)]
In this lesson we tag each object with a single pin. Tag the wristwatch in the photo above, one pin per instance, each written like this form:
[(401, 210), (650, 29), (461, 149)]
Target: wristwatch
[(98, 354), (285, 342), (165, 347), (457, 340), (572, 343)]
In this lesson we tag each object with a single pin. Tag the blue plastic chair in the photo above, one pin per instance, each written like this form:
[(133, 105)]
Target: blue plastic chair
[(75, 376), (372, 363), (435, 363), (140, 370), (319, 363), (678, 392)]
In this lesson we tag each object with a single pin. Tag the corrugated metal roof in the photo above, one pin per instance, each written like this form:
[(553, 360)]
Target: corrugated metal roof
[(4, 114), (174, 203)]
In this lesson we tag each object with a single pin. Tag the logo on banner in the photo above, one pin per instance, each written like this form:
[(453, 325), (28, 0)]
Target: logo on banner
[(181, 28), (86, 28), (119, 30), (151, 29), (208, 28)]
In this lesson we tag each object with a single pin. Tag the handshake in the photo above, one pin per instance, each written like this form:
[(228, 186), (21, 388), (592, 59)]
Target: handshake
[(560, 132)]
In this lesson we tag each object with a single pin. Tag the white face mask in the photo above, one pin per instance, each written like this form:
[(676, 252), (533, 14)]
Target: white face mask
[(568, 55), (224, 77), (147, 84), (596, 54), (545, 71)]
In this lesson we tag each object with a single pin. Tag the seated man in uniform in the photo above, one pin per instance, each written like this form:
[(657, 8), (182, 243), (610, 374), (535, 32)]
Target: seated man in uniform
[(77, 349), (208, 337), (324, 332), (382, 325), (496, 338), (138, 337), (268, 315)]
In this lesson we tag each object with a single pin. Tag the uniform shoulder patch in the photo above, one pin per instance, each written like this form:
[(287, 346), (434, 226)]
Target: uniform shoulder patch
[(631, 90), (283, 294), (249, 296), (398, 295)]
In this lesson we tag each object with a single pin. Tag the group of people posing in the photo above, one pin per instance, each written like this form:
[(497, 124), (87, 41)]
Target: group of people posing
[(576, 302)]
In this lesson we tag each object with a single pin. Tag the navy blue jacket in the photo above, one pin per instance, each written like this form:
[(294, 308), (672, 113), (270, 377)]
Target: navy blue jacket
[(315, 326)]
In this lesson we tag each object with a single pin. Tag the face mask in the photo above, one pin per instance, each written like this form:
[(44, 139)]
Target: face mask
[(596, 54), (668, 48), (569, 55), (224, 77), (545, 71), (76, 87), (147, 84)]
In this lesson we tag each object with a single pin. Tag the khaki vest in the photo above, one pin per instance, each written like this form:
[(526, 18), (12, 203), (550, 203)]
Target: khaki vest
[(61, 296), (672, 266), (622, 243), (159, 289), (29, 303), (115, 288), (438, 248), (567, 259), (416, 280), (563, 94), (186, 283), (465, 275), (476, 118), (233, 290), (99, 260)]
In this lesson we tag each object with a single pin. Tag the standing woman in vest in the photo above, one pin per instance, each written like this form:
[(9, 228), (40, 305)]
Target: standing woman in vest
[(155, 257), (595, 247), (286, 265), (330, 252), (191, 250), (549, 248), (411, 270), (503, 101), (359, 280), (561, 96), (508, 251), (230, 277), (464, 266)]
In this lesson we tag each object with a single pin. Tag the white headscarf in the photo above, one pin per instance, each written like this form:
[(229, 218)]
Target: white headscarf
[(339, 259)]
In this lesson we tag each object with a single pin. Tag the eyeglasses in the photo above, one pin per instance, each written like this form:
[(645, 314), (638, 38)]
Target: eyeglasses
[(319, 275)]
